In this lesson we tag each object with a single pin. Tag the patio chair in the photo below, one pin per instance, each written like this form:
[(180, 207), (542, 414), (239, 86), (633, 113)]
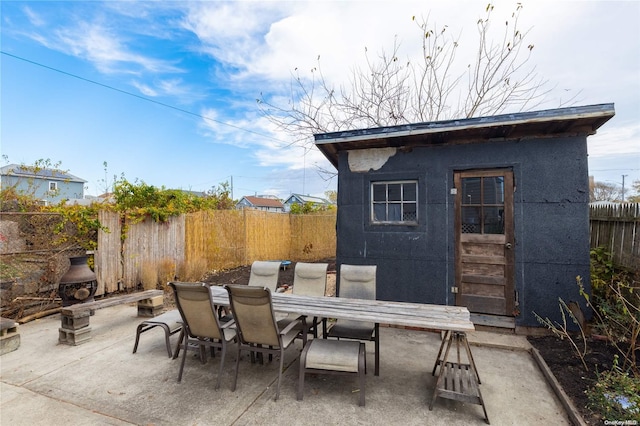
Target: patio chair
[(309, 279), (321, 356), (265, 274), (202, 328), (170, 322), (358, 282), (258, 331)]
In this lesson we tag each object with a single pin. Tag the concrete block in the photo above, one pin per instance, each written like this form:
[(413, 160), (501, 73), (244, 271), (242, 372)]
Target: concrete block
[(74, 337), (76, 321), (152, 302), (149, 311), (9, 336)]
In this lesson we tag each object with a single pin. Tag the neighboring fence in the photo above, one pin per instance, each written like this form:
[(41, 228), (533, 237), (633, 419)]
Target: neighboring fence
[(32, 248), (617, 229), (214, 240), (34, 257)]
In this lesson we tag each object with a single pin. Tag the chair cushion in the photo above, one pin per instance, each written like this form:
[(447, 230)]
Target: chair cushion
[(335, 355), (347, 329), (171, 319)]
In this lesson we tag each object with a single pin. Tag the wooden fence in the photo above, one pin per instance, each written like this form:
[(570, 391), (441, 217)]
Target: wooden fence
[(213, 240), (616, 228)]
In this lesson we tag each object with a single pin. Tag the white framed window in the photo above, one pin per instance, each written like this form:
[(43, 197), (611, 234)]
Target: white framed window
[(53, 186), (394, 202)]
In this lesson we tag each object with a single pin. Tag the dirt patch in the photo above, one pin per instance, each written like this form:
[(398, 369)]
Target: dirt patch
[(567, 367)]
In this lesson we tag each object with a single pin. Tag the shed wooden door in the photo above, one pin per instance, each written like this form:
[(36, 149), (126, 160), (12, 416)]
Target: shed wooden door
[(484, 241)]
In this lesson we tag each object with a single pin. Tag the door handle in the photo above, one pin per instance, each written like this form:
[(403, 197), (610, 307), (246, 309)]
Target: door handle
[(508, 245)]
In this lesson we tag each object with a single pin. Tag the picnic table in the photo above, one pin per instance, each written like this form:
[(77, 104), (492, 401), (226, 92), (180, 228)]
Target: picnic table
[(456, 379)]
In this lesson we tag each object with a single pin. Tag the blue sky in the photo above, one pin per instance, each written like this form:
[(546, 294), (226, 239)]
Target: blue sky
[(187, 74)]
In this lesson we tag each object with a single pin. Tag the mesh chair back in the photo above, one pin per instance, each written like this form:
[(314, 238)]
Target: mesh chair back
[(264, 274), (358, 281), (253, 312), (310, 279), (196, 308)]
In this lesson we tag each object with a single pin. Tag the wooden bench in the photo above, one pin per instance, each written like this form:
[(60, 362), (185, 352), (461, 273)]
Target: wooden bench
[(75, 328)]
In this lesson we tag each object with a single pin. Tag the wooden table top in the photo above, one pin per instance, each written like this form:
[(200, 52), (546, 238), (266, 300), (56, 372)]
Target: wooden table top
[(437, 317)]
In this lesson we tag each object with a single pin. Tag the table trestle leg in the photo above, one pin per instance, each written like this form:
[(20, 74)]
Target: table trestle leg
[(457, 380)]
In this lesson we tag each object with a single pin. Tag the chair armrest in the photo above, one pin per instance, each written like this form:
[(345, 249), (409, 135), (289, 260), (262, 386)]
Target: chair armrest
[(229, 324), (292, 324)]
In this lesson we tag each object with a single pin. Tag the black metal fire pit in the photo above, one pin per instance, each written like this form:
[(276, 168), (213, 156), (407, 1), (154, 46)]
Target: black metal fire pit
[(78, 284)]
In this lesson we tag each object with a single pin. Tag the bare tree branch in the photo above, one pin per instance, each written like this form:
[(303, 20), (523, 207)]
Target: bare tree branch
[(389, 91)]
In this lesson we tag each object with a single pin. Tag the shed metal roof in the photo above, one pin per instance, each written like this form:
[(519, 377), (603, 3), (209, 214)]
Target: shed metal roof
[(572, 121)]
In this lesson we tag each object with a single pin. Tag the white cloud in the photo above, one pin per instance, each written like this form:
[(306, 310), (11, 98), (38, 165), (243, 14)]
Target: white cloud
[(618, 140), (104, 48), (144, 89), (35, 19)]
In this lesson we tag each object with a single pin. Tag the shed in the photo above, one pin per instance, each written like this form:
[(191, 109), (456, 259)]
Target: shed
[(491, 213)]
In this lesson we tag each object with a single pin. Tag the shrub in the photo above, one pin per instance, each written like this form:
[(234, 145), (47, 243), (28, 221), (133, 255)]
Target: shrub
[(193, 270), (615, 394), (149, 276), (616, 306)]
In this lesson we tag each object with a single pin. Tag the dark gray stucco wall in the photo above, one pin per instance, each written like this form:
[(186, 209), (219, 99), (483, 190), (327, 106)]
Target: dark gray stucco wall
[(417, 264)]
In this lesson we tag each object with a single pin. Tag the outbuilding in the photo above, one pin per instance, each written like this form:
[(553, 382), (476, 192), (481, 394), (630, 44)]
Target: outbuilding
[(491, 213)]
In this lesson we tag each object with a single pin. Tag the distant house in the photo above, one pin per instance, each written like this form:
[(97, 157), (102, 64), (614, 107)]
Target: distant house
[(270, 204), (47, 185), (491, 213), (304, 199)]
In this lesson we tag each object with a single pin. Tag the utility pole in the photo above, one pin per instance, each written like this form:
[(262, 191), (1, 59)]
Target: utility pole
[(623, 176)]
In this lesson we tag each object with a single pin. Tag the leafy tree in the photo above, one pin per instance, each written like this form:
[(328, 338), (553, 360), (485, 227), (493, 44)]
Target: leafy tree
[(139, 200), (308, 207), (222, 194), (390, 91), (636, 188), (602, 191), (331, 196)]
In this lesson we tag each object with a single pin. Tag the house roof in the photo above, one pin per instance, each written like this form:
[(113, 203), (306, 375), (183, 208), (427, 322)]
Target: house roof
[(26, 172), (573, 121), (308, 199), (263, 202)]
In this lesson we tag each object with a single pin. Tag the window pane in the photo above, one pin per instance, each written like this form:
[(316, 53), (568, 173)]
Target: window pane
[(409, 212), (493, 190), (380, 212), (394, 212), (493, 220), (409, 192), (379, 192), (471, 190), (394, 202), (395, 193), (471, 220)]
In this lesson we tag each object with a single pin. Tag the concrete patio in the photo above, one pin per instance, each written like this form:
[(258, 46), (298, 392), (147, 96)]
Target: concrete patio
[(102, 382)]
